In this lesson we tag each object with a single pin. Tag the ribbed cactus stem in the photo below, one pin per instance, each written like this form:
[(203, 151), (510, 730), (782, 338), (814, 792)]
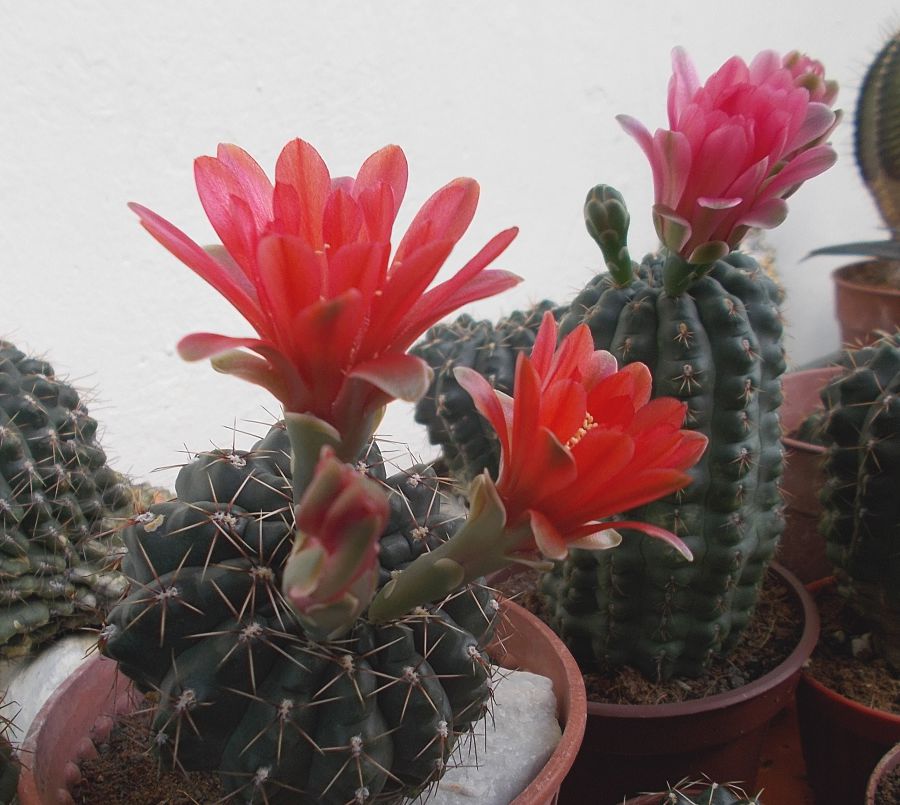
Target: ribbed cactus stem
[(877, 141)]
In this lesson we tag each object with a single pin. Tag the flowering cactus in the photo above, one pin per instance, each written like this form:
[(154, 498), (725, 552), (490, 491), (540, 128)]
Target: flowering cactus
[(735, 148), (307, 263), (579, 442)]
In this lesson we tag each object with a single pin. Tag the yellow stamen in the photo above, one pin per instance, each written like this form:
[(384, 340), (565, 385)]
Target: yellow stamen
[(587, 425)]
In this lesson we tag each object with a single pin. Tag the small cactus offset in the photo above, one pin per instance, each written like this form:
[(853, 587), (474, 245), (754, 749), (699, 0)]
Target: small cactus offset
[(57, 494), (861, 520), (241, 687), (705, 792)]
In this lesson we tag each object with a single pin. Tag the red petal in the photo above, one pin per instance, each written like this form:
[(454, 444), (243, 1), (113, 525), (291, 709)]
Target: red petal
[(487, 403), (658, 533), (301, 168), (544, 345), (402, 377), (385, 168), (342, 220), (445, 216), (225, 277), (289, 390), (251, 180), (548, 540)]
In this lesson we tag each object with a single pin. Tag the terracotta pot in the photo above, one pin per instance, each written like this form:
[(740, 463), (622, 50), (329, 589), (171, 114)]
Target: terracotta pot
[(802, 547), (629, 748), (888, 763), (81, 713), (842, 739), (862, 308)]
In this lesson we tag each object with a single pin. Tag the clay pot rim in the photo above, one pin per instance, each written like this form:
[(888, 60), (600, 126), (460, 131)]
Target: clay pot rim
[(889, 761), (842, 276), (548, 780), (787, 668), (851, 704)]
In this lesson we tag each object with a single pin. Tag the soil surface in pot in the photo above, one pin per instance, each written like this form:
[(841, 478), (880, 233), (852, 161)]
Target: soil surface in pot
[(771, 635), (126, 773), (864, 678), (888, 792)]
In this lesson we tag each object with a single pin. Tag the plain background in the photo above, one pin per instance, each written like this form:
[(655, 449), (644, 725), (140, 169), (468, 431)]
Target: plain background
[(107, 102)]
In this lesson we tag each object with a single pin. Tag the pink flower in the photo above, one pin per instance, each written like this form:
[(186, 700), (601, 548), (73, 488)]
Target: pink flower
[(333, 569), (582, 441), (307, 262), (736, 147)]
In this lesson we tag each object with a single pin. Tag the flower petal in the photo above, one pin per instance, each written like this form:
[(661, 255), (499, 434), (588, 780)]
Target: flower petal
[(445, 216), (658, 533), (300, 168), (487, 403), (402, 377)]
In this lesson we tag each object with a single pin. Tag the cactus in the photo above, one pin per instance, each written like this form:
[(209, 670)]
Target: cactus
[(9, 761), (468, 443), (861, 520), (877, 150), (705, 792), (242, 689), (57, 554), (717, 347)]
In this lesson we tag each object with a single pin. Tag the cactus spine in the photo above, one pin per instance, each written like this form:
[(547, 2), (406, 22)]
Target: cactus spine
[(706, 793), (242, 690), (56, 494), (861, 522)]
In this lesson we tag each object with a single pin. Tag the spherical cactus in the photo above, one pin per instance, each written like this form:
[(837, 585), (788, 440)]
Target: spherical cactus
[(56, 495), (705, 793), (242, 690), (861, 521), (468, 443)]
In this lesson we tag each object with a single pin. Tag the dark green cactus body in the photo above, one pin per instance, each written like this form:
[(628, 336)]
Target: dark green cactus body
[(371, 717), (706, 793), (718, 348), (861, 522), (56, 493), (469, 444)]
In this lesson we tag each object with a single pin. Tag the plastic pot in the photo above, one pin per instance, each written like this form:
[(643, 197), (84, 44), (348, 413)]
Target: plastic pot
[(81, 713), (888, 763), (842, 740), (643, 747), (863, 307), (802, 547)]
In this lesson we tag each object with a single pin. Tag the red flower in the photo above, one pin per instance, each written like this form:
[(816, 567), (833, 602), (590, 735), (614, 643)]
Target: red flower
[(307, 262), (582, 441), (736, 148)]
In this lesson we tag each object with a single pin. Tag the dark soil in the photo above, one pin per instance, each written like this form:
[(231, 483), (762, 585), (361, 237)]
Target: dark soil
[(127, 773), (771, 635), (888, 792), (864, 678)]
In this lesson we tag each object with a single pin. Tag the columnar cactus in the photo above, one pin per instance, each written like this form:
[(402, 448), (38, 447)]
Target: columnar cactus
[(57, 557), (861, 521), (241, 687), (705, 319)]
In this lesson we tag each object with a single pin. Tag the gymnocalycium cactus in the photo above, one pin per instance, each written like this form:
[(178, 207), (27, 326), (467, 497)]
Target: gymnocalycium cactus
[(877, 150), (705, 792), (249, 614), (705, 319), (57, 497), (861, 520)]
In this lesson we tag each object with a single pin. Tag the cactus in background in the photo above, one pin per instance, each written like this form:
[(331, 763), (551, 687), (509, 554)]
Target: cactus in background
[(57, 552), (706, 320), (704, 792), (468, 444), (861, 521), (877, 150), (242, 688), (9, 761)]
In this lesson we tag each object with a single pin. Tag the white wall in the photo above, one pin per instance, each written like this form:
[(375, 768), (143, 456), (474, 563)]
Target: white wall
[(106, 102)]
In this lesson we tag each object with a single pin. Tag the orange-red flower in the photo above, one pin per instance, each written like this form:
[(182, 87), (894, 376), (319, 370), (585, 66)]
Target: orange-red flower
[(582, 441), (307, 262)]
